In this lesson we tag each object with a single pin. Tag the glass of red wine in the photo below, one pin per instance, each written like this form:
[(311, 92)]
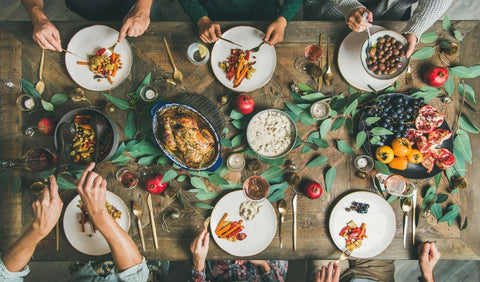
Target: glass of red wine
[(311, 56), (128, 178)]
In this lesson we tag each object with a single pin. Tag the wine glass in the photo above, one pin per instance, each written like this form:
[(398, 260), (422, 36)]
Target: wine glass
[(399, 186), (256, 188), (39, 159), (311, 56)]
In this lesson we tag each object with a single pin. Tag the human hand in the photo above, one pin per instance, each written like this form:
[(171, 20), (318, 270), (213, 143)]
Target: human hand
[(135, 23), (329, 274), (208, 31), (46, 35), (412, 41), (356, 22), (47, 209), (428, 256), (93, 189), (275, 31), (263, 264), (199, 249)]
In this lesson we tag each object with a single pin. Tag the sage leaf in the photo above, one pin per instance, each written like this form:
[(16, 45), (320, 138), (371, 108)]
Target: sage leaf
[(321, 143), (150, 149), (226, 143), (237, 140), (59, 99), (428, 37), (467, 125), (217, 179), (236, 115), (119, 103), (65, 184), (351, 90), (318, 161), (47, 106), (469, 92), (449, 85), (325, 127), (203, 205), (458, 35), (380, 131), (436, 210), (382, 168), (313, 96), (372, 120), (343, 147), (306, 119), (446, 23), (169, 175), (29, 89), (198, 183), (305, 88), (450, 215), (121, 159), (146, 160), (375, 140), (361, 136), (272, 173), (17, 184), (181, 178), (337, 124), (294, 108), (427, 93), (461, 145), (130, 128), (441, 198), (329, 178), (292, 115), (238, 124), (273, 162), (423, 53), (230, 185), (225, 130), (205, 195), (349, 125), (475, 70), (461, 72), (306, 149)]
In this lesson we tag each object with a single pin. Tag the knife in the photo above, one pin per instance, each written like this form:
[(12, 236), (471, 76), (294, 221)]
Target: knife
[(413, 215), (230, 41), (152, 220), (294, 206)]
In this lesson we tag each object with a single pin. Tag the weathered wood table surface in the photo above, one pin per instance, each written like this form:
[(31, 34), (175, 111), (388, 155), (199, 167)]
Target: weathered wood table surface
[(20, 57)]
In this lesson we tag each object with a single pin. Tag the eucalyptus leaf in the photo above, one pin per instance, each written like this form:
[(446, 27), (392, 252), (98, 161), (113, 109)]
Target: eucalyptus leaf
[(438, 178), (162, 160), (351, 90), (325, 127), (130, 128), (423, 53), (459, 165), (318, 161), (450, 215), (17, 184), (5, 177), (169, 175), (306, 119), (292, 115), (449, 85), (119, 150), (181, 178), (203, 174), (238, 124), (145, 82), (454, 191), (428, 37), (469, 92), (272, 173), (380, 131), (296, 98), (361, 136), (146, 160), (132, 145), (230, 185), (280, 186), (276, 196), (137, 153), (119, 103), (461, 145), (65, 184), (205, 195), (329, 178), (226, 143), (382, 168), (391, 198), (236, 115), (441, 198), (305, 88), (398, 83), (375, 140), (306, 149), (444, 45), (313, 96), (294, 108), (29, 89), (465, 224), (446, 22), (121, 159), (458, 35), (237, 140), (428, 94), (217, 179), (429, 198), (350, 107), (47, 106), (466, 124), (436, 210), (198, 183), (321, 143), (475, 70), (273, 162), (372, 120), (349, 125), (390, 89), (225, 130), (461, 72), (203, 205), (337, 124), (344, 147), (59, 99)]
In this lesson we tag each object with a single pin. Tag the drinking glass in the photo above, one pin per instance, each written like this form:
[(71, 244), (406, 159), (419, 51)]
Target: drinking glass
[(311, 56), (127, 177), (399, 186), (256, 188), (11, 84)]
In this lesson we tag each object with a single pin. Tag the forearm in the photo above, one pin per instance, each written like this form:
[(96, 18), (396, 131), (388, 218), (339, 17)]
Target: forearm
[(18, 255), (347, 6), (193, 9), (276, 270), (289, 9), (425, 16), (124, 250), (35, 10), (144, 6)]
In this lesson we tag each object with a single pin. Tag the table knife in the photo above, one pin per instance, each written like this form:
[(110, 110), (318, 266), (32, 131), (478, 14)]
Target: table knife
[(230, 41), (152, 220), (413, 215), (294, 206)]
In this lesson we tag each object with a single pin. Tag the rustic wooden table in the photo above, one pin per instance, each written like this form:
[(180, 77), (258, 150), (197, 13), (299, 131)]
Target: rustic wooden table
[(20, 57)]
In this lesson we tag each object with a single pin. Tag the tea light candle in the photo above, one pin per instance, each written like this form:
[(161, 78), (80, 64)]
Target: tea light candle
[(148, 93), (236, 162), (320, 110), (362, 162)]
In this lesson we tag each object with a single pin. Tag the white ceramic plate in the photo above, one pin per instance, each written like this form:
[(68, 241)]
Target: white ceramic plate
[(249, 37), (380, 223), (260, 231), (89, 242), (350, 64), (86, 42)]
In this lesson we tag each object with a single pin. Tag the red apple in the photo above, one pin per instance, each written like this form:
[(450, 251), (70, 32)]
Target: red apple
[(244, 104), (313, 190), (47, 125), (155, 185), (436, 76)]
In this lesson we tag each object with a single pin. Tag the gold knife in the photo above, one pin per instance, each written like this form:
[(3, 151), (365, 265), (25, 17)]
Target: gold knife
[(230, 41), (320, 77), (57, 234), (414, 218), (294, 206), (152, 220), (408, 76)]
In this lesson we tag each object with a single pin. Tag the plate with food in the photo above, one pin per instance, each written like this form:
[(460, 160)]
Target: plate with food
[(420, 144), (80, 231), (90, 136), (236, 67), (243, 228), (362, 222), (96, 72), (186, 136), (351, 67)]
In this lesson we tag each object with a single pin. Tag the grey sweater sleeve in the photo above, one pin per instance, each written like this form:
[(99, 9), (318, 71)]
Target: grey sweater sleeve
[(346, 6), (425, 15)]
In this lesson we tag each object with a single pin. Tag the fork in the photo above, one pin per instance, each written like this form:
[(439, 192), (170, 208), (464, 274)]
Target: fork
[(256, 49), (109, 51), (137, 211), (344, 255)]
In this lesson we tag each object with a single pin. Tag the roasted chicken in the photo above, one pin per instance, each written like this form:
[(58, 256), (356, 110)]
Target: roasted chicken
[(187, 137)]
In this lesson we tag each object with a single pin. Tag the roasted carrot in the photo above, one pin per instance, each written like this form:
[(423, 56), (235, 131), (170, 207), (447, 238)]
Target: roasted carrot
[(82, 63), (224, 229), (219, 226)]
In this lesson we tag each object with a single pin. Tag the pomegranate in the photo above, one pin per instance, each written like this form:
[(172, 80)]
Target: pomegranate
[(244, 104), (436, 76), (313, 190), (47, 125), (155, 185)]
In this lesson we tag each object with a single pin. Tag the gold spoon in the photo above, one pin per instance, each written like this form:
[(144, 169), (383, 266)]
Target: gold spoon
[(137, 211), (406, 207), (282, 209), (328, 76), (206, 222), (177, 75), (40, 85)]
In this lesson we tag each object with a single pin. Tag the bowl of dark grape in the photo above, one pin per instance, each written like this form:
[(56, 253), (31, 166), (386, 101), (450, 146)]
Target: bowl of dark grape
[(385, 57), (396, 113)]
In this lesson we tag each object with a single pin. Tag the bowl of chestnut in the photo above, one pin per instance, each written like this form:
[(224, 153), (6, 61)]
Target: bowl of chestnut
[(385, 57)]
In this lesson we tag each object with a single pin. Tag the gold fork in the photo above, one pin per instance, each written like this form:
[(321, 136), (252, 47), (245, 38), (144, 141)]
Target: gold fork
[(344, 255)]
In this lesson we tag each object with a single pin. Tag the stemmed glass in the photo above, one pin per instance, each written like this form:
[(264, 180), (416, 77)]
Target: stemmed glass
[(256, 188), (40, 159), (311, 56)]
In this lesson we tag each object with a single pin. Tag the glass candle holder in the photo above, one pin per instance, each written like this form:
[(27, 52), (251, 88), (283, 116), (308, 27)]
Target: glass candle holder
[(25, 103), (198, 54), (235, 162)]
